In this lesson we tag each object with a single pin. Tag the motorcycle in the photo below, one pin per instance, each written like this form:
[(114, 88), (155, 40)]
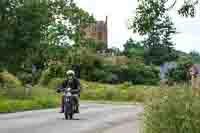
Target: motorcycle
[(70, 103)]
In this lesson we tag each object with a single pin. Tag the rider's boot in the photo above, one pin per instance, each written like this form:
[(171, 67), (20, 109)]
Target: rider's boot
[(77, 110), (77, 104)]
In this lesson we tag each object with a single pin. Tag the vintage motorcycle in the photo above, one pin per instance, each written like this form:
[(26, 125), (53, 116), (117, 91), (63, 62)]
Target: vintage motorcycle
[(70, 103)]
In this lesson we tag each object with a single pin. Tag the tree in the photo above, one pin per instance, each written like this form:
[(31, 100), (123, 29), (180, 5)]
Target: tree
[(116, 51), (195, 55), (21, 27), (187, 9), (68, 20), (133, 49), (152, 21), (93, 44), (30, 29), (180, 73)]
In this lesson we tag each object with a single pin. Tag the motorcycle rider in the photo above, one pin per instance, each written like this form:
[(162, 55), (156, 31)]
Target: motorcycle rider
[(74, 84)]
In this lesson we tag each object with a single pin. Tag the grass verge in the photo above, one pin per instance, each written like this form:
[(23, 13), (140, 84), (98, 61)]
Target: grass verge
[(174, 111), (45, 97)]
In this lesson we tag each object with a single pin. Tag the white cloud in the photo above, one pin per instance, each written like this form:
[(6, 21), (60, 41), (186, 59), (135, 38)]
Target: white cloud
[(119, 11)]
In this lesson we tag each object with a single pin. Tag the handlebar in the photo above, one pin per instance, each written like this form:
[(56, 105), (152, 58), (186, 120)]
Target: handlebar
[(72, 91)]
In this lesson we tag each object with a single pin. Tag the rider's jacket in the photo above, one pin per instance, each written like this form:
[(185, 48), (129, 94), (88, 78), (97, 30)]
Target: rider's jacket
[(74, 84)]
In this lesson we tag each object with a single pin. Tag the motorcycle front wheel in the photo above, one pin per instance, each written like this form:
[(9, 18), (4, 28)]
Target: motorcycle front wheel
[(66, 116), (71, 116)]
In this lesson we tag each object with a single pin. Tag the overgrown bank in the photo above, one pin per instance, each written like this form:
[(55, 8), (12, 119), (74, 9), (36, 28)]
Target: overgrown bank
[(166, 109), (174, 111), (39, 97)]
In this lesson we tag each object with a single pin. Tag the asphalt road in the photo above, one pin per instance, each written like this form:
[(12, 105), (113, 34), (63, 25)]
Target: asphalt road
[(93, 118)]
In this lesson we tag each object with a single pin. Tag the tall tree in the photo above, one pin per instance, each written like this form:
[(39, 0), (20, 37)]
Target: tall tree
[(21, 27), (188, 8), (153, 22), (26, 29)]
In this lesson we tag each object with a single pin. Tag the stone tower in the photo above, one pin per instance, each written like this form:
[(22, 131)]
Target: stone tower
[(98, 32)]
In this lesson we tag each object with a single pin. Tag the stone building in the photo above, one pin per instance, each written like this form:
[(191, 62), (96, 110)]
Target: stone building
[(98, 32)]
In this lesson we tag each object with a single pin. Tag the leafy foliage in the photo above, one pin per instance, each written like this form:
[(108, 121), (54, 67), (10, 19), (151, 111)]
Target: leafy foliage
[(94, 45), (188, 8), (121, 92), (30, 29), (152, 21), (195, 55), (54, 71), (136, 74), (180, 73), (8, 80), (134, 49), (174, 111), (11, 86)]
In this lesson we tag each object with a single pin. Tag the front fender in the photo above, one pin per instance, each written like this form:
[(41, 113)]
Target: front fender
[(68, 105)]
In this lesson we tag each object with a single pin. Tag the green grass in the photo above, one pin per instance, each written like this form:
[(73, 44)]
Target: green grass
[(174, 111), (45, 97), (14, 105), (123, 92), (38, 98), (167, 110)]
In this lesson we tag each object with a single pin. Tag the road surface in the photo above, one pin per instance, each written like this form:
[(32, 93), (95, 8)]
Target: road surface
[(93, 118)]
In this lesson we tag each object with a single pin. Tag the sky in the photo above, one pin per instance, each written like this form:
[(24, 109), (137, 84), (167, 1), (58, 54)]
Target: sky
[(120, 11)]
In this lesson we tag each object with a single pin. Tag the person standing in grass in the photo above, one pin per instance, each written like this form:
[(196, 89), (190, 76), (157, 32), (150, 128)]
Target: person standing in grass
[(195, 79)]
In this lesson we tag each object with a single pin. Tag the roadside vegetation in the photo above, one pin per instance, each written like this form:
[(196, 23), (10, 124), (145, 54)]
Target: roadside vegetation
[(20, 98), (174, 111), (35, 56)]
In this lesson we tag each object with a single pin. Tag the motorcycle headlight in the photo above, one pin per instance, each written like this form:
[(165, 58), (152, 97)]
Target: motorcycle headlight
[(69, 94)]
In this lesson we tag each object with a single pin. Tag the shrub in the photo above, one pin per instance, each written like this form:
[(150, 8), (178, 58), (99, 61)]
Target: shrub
[(54, 71), (96, 75), (174, 111), (26, 78), (142, 74), (11, 86), (45, 77), (137, 74), (94, 68), (8, 80), (180, 73)]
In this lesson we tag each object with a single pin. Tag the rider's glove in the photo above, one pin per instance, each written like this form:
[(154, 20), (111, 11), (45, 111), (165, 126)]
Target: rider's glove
[(58, 90)]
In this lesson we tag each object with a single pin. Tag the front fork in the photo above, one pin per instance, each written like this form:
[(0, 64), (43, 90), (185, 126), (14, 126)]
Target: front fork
[(71, 105)]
